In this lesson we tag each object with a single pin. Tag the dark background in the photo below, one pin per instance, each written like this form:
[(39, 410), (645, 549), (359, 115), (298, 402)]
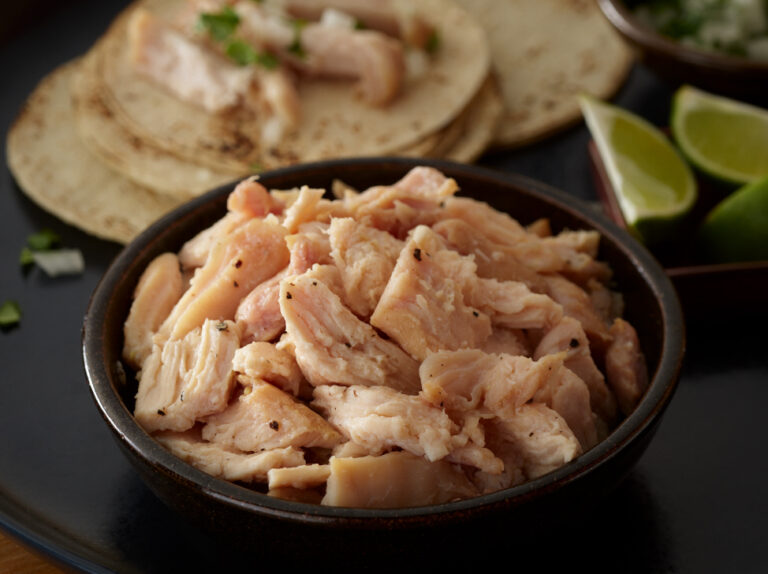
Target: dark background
[(696, 502)]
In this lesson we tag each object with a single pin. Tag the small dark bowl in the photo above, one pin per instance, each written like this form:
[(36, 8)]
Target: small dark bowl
[(679, 64), (267, 525)]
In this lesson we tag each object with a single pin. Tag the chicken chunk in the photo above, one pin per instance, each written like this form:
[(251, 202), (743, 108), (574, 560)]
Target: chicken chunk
[(423, 306), (567, 395), (365, 257), (392, 480), (302, 477), (258, 314), (577, 303), (221, 462), (569, 336), (494, 260), (379, 419), (187, 379), (158, 290), (333, 346), (540, 435), (625, 366), (263, 361), (186, 68), (468, 380), (383, 15), (265, 418), (253, 252), (413, 200)]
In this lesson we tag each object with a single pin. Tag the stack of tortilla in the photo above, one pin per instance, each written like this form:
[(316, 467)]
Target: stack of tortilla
[(108, 151)]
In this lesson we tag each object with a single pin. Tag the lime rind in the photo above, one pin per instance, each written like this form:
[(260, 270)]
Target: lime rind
[(738, 127), (653, 184), (736, 229)]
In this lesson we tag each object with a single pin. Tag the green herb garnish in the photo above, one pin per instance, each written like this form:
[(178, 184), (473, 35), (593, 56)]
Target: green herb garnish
[(26, 257), (244, 54), (220, 25), (296, 48), (10, 313), (43, 240), (433, 42)]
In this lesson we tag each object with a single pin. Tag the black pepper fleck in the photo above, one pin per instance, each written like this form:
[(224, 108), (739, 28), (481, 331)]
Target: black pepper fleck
[(417, 254), (288, 295), (238, 263), (574, 343), (274, 425), (161, 412)]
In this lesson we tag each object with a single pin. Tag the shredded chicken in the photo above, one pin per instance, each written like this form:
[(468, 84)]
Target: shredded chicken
[(396, 346)]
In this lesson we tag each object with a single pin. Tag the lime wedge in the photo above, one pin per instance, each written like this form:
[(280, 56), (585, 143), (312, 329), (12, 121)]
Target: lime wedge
[(725, 139), (737, 228), (653, 184)]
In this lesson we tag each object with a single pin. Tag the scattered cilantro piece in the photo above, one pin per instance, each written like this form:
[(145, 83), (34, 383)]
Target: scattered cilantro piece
[(433, 42), (220, 25), (268, 61), (43, 240), (10, 313), (26, 257), (296, 48), (360, 25), (244, 54)]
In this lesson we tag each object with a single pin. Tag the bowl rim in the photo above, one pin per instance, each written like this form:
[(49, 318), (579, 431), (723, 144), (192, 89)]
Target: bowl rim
[(617, 13), (132, 436)]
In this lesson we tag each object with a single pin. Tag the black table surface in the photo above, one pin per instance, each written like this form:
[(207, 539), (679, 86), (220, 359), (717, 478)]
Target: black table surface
[(696, 501)]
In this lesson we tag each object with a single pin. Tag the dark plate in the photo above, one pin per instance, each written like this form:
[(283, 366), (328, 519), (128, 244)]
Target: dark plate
[(694, 502), (239, 513), (704, 287)]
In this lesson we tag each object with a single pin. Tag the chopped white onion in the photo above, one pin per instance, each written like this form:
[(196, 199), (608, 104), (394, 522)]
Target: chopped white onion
[(60, 261), (333, 18)]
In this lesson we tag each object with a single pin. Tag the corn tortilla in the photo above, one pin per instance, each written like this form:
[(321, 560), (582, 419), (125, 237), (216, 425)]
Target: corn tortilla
[(545, 53), (56, 171)]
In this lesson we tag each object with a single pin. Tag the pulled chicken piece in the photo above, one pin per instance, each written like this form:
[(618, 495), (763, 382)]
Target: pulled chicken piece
[(221, 462), (380, 419), (264, 418), (394, 480), (158, 290), (625, 366), (333, 346), (187, 379)]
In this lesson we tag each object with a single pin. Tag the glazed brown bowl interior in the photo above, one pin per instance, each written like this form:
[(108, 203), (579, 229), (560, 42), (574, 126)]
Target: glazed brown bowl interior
[(233, 510), (680, 64)]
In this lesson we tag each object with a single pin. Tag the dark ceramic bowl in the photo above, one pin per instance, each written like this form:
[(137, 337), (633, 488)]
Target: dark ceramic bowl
[(264, 524), (726, 75)]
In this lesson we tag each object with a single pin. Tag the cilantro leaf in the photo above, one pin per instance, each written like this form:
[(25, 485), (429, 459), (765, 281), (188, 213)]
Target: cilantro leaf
[(10, 313), (244, 54), (26, 257), (220, 25), (43, 240), (296, 48), (433, 42)]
